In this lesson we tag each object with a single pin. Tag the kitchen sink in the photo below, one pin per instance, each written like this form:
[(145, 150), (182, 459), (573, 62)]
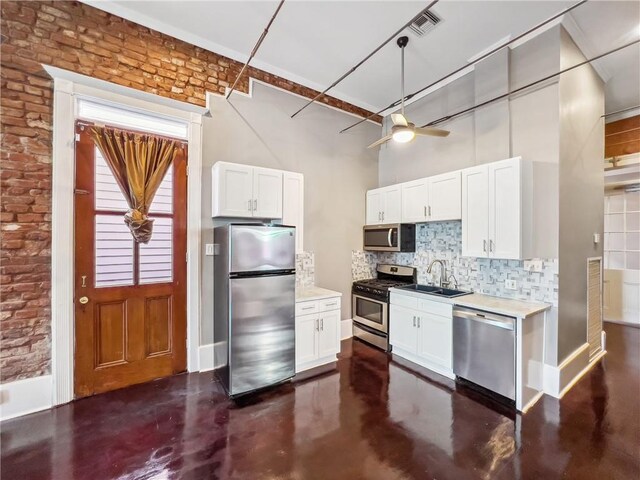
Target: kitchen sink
[(433, 290)]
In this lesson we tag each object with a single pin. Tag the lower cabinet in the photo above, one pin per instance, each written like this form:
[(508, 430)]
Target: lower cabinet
[(422, 336), (317, 334)]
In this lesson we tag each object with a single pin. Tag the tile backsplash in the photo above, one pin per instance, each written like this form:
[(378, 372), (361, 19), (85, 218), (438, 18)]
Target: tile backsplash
[(305, 270), (443, 241)]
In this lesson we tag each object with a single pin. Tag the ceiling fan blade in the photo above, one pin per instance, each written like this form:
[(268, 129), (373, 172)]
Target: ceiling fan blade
[(380, 142), (431, 132), (399, 119)]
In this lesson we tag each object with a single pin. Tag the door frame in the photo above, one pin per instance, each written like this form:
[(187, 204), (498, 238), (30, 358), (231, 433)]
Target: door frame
[(67, 87)]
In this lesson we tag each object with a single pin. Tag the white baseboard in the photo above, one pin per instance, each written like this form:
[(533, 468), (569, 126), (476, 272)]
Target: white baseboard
[(205, 357), (210, 356), (559, 380), (25, 396), (346, 329)]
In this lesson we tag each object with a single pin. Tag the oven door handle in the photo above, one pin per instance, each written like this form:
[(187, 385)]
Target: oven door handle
[(389, 237)]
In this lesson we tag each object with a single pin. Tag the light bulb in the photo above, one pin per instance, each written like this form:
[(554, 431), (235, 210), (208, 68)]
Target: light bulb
[(403, 136)]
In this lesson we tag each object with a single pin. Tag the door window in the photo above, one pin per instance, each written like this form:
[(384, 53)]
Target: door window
[(119, 260)]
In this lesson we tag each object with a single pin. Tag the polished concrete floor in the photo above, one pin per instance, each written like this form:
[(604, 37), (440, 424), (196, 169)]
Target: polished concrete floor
[(371, 419)]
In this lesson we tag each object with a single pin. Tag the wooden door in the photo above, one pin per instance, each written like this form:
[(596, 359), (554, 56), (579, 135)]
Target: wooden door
[(475, 211), (130, 298), (504, 209), (374, 207), (415, 198), (267, 193), (445, 197)]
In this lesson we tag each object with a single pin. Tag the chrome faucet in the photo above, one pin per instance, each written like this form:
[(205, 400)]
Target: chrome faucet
[(443, 272)]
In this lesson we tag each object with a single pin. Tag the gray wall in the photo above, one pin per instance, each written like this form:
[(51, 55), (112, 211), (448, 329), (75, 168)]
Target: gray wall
[(526, 125), (557, 125), (581, 191), (337, 168)]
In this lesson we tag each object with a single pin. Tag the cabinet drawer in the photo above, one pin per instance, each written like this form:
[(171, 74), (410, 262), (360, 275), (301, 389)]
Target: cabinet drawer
[(404, 300), (329, 304), (305, 308), (436, 308)]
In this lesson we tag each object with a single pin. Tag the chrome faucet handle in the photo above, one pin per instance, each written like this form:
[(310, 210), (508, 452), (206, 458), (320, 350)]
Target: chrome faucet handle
[(454, 281)]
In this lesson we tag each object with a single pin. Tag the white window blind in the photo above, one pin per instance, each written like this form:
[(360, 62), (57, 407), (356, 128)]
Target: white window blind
[(113, 252), (128, 118)]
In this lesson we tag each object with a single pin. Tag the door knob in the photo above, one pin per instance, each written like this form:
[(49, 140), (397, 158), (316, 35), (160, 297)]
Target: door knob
[(84, 300)]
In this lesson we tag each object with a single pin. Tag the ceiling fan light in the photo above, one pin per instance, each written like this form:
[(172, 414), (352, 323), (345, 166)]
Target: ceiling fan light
[(403, 136)]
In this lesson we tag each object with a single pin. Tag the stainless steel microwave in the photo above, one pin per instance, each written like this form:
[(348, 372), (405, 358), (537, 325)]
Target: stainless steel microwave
[(397, 237)]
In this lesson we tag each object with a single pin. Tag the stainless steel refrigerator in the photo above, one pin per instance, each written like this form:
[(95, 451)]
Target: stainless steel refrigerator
[(254, 305)]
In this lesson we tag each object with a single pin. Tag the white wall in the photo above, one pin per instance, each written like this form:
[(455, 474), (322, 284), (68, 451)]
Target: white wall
[(337, 168)]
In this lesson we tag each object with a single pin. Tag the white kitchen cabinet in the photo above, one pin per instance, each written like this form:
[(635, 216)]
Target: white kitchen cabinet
[(232, 186), (432, 199), (384, 205), (435, 339), (445, 197), (415, 201), (306, 341), (329, 334), (267, 193), (475, 211), (293, 205), (317, 332), (374, 207), (243, 191), (422, 331), (497, 210), (402, 332)]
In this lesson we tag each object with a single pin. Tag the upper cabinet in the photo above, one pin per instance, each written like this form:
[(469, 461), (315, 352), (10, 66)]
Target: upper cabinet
[(432, 199), (415, 201), (243, 191), (383, 205), (497, 210), (293, 205), (267, 193), (445, 199)]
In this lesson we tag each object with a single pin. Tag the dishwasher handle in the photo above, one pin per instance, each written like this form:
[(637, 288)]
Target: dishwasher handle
[(508, 323)]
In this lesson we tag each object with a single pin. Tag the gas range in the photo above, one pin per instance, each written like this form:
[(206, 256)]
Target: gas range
[(376, 287), (370, 302)]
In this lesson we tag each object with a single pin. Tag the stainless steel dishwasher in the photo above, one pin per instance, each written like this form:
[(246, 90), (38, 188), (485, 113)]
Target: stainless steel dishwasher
[(484, 349)]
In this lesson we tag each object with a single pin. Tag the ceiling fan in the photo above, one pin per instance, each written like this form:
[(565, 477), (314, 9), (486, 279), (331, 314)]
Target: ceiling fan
[(404, 131)]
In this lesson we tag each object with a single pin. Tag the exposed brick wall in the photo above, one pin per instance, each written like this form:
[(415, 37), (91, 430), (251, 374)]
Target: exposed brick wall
[(89, 41)]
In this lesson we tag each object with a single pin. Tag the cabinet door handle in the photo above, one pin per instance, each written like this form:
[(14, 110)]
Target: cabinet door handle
[(317, 325), (255, 205), (418, 322), (414, 320), (379, 216), (308, 308), (383, 216), (249, 205), (484, 246), (491, 245), (322, 324), (429, 211), (425, 211)]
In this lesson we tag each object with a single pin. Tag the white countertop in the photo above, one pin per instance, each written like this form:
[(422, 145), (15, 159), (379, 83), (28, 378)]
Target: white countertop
[(489, 303), (504, 306), (314, 293)]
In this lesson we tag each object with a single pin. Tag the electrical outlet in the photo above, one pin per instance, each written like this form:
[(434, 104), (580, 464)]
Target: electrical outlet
[(209, 249), (533, 265), (510, 284)]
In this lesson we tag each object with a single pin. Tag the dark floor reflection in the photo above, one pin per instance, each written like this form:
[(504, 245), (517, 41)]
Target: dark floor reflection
[(371, 418)]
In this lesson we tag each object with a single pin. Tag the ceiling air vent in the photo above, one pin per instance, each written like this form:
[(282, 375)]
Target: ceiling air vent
[(424, 23)]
